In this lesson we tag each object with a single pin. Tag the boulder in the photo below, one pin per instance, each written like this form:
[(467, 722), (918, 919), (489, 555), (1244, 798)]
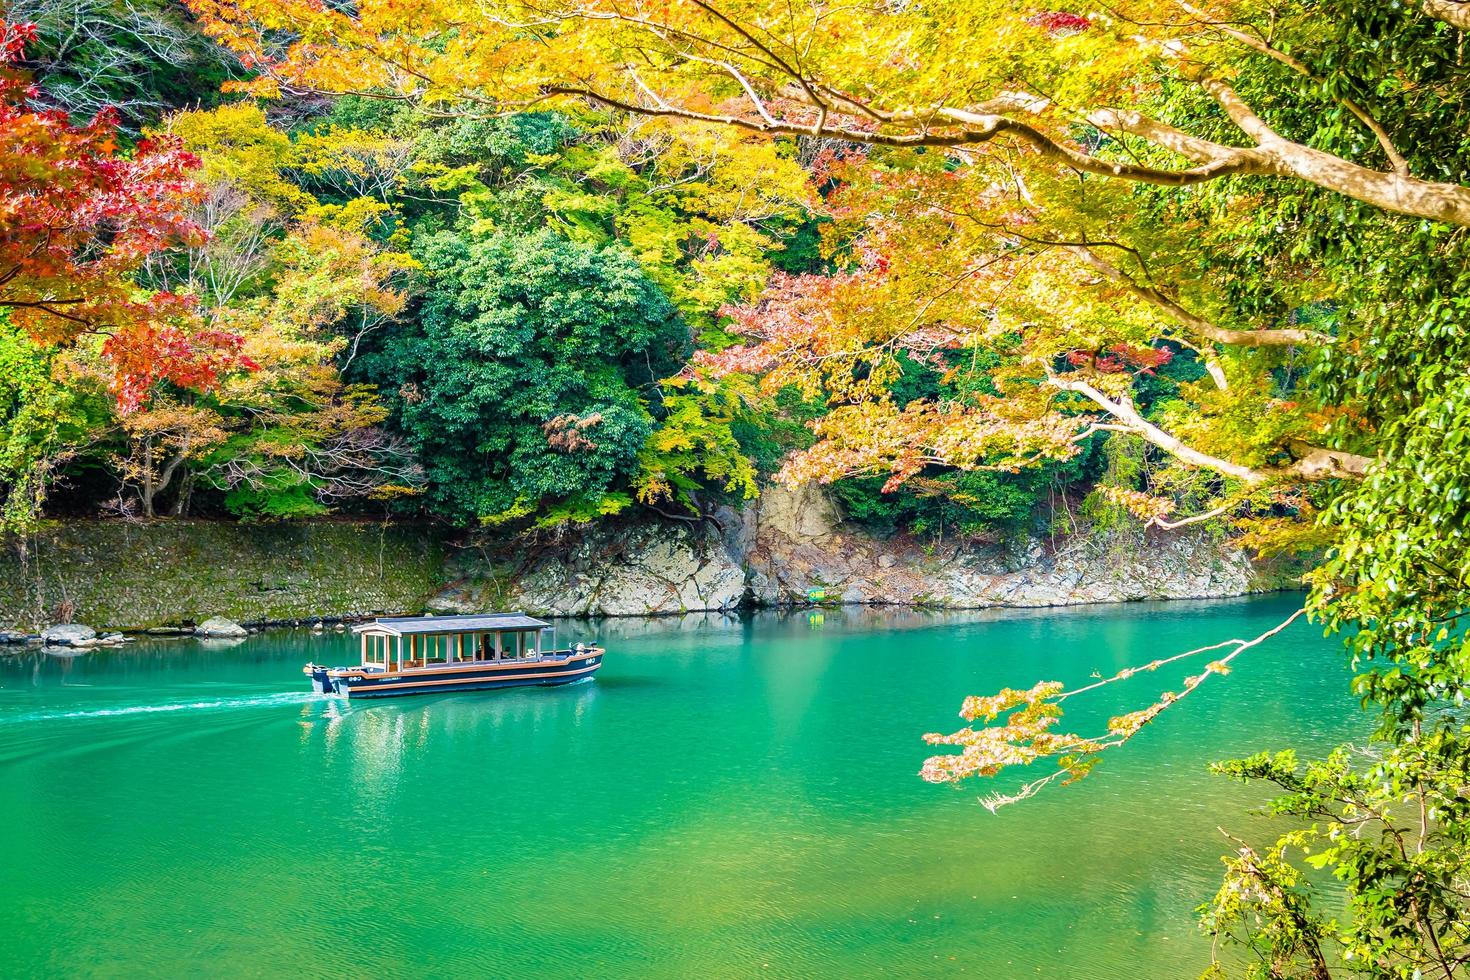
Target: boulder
[(218, 627), (69, 635)]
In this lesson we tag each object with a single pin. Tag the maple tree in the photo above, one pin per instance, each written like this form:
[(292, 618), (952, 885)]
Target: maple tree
[(77, 218), (300, 281)]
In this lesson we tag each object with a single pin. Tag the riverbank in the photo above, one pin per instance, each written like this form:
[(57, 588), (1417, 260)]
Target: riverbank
[(174, 574), (788, 548)]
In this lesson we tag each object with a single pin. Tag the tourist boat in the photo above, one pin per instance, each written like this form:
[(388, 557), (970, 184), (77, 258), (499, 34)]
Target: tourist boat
[(432, 654)]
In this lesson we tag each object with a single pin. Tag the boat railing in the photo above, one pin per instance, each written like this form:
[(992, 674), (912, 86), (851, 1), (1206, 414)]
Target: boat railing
[(419, 665)]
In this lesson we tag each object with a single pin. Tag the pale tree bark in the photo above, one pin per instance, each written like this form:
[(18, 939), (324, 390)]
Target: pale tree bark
[(1453, 12), (1273, 155), (155, 481), (1313, 463), (757, 59), (842, 115)]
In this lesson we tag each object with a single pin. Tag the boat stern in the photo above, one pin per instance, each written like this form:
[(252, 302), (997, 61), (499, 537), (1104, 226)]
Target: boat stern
[(322, 681)]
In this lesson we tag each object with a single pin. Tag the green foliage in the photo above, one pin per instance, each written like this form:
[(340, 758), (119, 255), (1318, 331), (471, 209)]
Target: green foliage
[(1125, 469), (44, 421), (1396, 835), (277, 499), (965, 504), (1394, 584), (523, 386), (702, 223), (776, 428), (695, 447)]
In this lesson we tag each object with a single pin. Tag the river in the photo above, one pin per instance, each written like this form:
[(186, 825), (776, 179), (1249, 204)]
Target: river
[(729, 798)]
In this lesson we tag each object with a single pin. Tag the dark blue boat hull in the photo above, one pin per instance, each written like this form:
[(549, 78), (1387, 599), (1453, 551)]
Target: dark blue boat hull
[(477, 677)]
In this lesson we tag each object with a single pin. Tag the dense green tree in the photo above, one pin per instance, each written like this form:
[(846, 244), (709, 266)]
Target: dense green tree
[(524, 386)]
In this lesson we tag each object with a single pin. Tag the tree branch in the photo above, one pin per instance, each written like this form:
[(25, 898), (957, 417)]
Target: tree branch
[(968, 129), (1313, 463), (1395, 159), (1456, 13), (1201, 326), (1402, 194), (1124, 411)]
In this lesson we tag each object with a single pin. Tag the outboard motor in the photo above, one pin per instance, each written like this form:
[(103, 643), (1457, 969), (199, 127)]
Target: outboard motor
[(322, 682)]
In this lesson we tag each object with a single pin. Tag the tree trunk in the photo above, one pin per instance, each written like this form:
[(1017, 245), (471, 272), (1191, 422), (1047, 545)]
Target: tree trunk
[(1453, 12), (147, 491), (186, 490)]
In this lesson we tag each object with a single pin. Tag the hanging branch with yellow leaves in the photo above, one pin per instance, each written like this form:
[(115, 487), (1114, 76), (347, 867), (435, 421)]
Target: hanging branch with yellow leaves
[(1027, 734)]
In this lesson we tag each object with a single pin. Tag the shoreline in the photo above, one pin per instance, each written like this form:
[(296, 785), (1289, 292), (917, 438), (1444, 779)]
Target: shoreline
[(12, 642), (788, 550)]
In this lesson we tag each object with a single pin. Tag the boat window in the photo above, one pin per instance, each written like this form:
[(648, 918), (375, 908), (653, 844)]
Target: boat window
[(436, 649)]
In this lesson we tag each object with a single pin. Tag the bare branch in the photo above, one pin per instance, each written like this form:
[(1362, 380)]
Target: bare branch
[(1025, 736)]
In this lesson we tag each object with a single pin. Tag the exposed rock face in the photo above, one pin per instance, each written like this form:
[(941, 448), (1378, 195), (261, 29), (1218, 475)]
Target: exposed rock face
[(69, 635), (220, 628), (637, 570), (776, 551), (791, 545), (798, 546)]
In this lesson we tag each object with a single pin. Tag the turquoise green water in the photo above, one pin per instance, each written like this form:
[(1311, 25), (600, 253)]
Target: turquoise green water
[(727, 799)]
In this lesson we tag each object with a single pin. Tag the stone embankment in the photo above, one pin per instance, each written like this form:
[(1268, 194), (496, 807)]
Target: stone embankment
[(172, 576), (218, 580)]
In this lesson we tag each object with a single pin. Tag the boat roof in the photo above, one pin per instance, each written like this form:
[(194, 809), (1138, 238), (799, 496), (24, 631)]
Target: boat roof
[(487, 623)]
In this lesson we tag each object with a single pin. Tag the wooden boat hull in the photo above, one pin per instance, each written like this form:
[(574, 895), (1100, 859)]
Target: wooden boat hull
[(353, 682)]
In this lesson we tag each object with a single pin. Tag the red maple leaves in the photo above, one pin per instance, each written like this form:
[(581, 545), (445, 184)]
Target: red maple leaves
[(77, 219), (1059, 22), (1122, 357)]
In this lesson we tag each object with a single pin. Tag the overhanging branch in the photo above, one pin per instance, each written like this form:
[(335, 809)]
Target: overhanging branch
[(1313, 463)]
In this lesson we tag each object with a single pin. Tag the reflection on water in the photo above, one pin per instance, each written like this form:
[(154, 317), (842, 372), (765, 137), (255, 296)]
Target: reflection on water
[(728, 797)]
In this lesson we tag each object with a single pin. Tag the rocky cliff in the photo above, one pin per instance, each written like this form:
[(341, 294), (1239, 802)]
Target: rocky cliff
[(791, 547), (788, 548)]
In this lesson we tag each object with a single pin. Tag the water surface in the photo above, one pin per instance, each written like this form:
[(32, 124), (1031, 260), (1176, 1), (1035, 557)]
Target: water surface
[(729, 798)]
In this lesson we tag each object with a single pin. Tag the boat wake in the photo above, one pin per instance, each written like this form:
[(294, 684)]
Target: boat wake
[(217, 704)]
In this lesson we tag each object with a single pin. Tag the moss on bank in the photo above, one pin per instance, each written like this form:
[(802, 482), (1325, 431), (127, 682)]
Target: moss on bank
[(126, 575)]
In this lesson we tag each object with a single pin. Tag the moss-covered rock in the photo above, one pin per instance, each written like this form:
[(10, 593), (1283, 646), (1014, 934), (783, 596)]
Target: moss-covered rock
[(127, 575)]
